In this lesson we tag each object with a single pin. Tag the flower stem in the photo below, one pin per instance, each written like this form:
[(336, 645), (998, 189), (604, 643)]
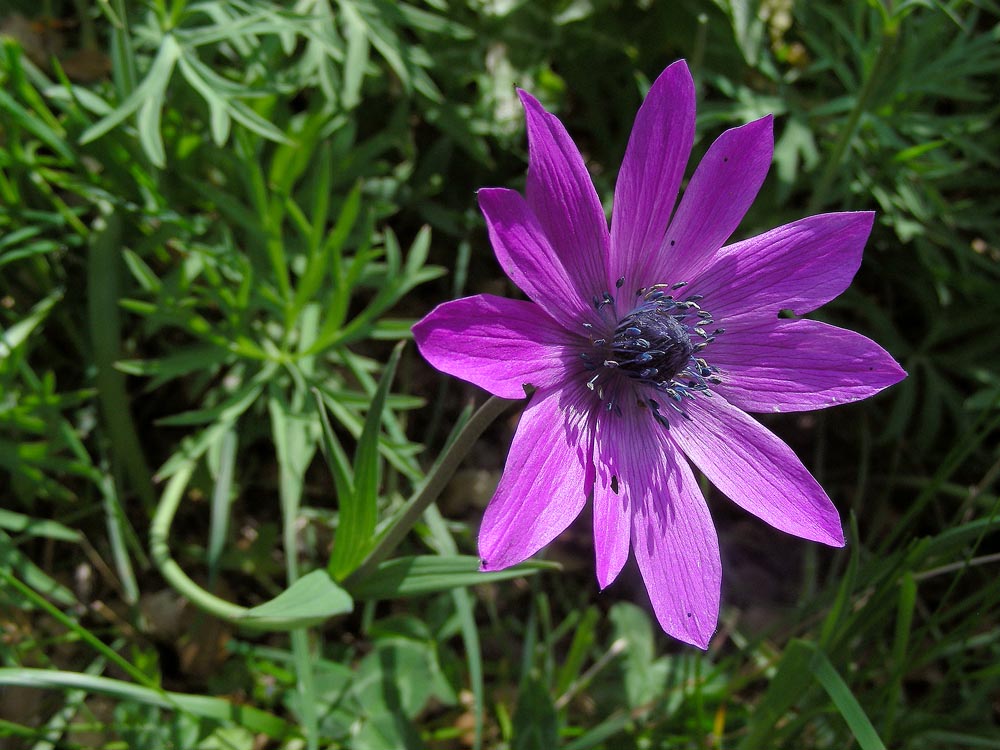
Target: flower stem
[(159, 532), (890, 34), (434, 483)]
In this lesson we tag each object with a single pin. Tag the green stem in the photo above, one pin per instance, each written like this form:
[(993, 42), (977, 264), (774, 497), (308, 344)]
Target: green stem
[(890, 34), (434, 483), (159, 532)]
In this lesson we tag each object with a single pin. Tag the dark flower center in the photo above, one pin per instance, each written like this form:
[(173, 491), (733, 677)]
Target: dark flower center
[(655, 347), (651, 345)]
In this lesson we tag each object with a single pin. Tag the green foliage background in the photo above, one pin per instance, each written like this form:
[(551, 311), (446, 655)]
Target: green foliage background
[(216, 218)]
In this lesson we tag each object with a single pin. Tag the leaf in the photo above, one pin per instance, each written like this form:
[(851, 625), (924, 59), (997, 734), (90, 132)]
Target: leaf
[(356, 34), (197, 358), (34, 125), (535, 724), (842, 697), (18, 333), (13, 560), (311, 600), (152, 89), (333, 452), (204, 706), (359, 510), (22, 524), (787, 687), (426, 574)]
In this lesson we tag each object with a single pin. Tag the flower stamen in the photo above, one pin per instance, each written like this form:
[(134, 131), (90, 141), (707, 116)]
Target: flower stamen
[(656, 345)]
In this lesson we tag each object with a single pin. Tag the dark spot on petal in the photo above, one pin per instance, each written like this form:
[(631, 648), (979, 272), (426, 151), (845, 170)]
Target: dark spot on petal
[(724, 158), (689, 614), (614, 484), (673, 242)]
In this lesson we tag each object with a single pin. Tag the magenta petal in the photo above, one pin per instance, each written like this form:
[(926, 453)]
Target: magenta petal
[(798, 266), (716, 200), (651, 172), (756, 470), (496, 343), (527, 257), (614, 466), (675, 543), (545, 483), (562, 196), (798, 365)]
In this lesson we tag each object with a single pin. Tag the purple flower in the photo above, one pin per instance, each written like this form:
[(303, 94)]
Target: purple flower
[(647, 346)]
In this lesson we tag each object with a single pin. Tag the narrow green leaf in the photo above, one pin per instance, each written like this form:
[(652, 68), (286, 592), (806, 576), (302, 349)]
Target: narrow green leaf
[(22, 524), (333, 452), (787, 687), (148, 125), (311, 600), (326, 258), (23, 118), (217, 106), (204, 706), (18, 333), (842, 697), (15, 561), (358, 516), (356, 60), (152, 87), (141, 271), (536, 726), (226, 412), (579, 650), (419, 251), (197, 358), (404, 577)]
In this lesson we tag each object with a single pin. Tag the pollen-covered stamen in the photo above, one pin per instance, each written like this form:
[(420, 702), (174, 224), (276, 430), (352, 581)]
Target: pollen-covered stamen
[(656, 345), (651, 345)]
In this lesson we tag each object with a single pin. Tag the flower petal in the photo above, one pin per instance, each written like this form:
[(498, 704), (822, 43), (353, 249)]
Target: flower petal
[(562, 196), (527, 257), (651, 172), (496, 343), (716, 200), (755, 469), (675, 542), (548, 475), (798, 266), (798, 365), (614, 468)]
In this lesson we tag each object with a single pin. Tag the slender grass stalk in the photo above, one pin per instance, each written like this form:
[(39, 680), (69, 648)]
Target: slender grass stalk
[(104, 318)]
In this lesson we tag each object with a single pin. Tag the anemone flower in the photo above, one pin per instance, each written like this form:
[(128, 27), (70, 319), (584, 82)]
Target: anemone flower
[(646, 347)]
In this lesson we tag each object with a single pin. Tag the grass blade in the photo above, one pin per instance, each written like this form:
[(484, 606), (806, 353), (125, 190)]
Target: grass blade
[(842, 697), (359, 515), (204, 706)]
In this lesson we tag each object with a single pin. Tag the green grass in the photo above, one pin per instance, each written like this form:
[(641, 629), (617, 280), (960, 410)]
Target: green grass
[(209, 250)]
